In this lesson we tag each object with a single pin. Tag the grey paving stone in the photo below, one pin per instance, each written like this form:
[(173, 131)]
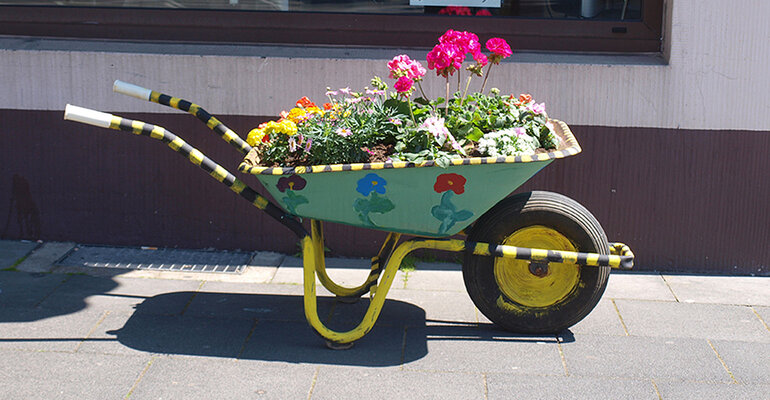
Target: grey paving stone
[(363, 264), (42, 330), (748, 361), (25, 290), (482, 349), (643, 358), (348, 271), (365, 383), (603, 320), (183, 335), (342, 271), (345, 316), (210, 378), (296, 342), (12, 251), (340, 276), (266, 259), (274, 307), (51, 375), (103, 339), (122, 294), (710, 391), (435, 280), (763, 315), (707, 321), (638, 287), (439, 305), (565, 388), (250, 288), (744, 290), (43, 259)]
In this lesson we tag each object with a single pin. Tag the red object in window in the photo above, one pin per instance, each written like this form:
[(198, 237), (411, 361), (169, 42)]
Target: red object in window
[(455, 10)]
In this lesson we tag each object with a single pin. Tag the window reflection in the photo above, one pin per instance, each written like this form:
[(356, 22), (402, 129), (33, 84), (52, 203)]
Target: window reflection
[(611, 10)]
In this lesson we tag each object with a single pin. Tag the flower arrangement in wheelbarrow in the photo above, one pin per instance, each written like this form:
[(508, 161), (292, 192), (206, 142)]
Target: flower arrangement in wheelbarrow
[(405, 124)]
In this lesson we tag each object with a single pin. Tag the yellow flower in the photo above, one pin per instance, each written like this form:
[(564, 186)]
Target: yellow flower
[(255, 136), (297, 115), (287, 127), (315, 110)]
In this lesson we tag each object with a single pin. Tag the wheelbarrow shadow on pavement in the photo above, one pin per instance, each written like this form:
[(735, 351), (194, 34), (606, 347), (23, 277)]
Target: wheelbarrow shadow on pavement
[(272, 327)]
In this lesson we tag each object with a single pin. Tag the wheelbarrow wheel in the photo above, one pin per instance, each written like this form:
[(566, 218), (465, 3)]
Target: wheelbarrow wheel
[(529, 297)]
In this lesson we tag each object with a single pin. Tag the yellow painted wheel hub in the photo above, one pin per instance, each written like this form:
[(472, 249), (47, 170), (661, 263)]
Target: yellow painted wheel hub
[(521, 284)]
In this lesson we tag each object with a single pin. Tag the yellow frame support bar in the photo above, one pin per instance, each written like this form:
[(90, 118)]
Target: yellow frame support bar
[(314, 265), (374, 274)]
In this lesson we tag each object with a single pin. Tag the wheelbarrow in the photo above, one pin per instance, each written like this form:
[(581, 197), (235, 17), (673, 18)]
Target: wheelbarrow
[(534, 262)]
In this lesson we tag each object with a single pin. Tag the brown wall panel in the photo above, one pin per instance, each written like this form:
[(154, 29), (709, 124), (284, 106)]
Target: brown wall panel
[(687, 201)]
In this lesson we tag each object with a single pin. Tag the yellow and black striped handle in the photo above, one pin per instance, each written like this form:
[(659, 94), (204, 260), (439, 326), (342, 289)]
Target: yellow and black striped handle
[(104, 120), (174, 102)]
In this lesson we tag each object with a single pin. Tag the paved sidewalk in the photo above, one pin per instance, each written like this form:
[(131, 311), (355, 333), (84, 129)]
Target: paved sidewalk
[(70, 331)]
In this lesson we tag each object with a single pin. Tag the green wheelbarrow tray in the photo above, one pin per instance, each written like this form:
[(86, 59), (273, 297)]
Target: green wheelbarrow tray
[(534, 262), (417, 199)]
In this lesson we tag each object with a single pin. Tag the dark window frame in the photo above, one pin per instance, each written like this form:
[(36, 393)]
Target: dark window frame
[(369, 30)]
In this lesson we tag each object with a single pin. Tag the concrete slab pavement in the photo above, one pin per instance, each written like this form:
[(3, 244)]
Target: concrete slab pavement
[(95, 334)]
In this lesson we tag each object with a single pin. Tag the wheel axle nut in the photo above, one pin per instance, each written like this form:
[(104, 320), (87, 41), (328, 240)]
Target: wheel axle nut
[(538, 268)]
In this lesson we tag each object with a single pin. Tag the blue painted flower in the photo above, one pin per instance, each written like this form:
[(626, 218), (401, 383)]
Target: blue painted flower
[(371, 183)]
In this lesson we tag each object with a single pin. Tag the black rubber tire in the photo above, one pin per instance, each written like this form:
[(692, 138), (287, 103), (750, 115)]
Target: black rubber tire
[(554, 211)]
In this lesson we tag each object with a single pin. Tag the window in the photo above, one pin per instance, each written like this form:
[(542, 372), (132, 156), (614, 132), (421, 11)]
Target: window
[(553, 25)]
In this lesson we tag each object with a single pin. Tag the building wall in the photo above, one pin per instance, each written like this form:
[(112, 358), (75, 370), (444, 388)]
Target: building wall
[(673, 160)]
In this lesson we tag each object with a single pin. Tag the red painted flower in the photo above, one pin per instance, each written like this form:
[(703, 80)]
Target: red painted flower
[(453, 182)]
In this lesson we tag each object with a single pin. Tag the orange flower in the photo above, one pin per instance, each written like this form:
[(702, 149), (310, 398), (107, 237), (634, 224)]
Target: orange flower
[(525, 98), (328, 106), (304, 102)]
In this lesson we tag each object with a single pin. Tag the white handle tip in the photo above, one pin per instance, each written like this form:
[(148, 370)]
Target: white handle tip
[(131, 90), (87, 116)]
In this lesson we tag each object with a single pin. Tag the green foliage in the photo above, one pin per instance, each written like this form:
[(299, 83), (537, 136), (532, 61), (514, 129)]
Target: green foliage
[(353, 124)]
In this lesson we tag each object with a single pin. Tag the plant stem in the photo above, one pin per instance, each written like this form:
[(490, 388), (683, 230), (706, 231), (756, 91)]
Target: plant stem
[(446, 109), (458, 80), (466, 89), (419, 85), (409, 103), (484, 84)]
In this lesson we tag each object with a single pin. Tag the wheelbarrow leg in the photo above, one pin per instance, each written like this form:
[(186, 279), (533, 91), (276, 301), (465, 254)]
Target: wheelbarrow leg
[(313, 257), (347, 294)]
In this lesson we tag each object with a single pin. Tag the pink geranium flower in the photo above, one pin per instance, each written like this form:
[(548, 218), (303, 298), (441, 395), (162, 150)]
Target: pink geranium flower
[(435, 126), (445, 58), (402, 65), (403, 84), (499, 48), (480, 58), (468, 42)]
